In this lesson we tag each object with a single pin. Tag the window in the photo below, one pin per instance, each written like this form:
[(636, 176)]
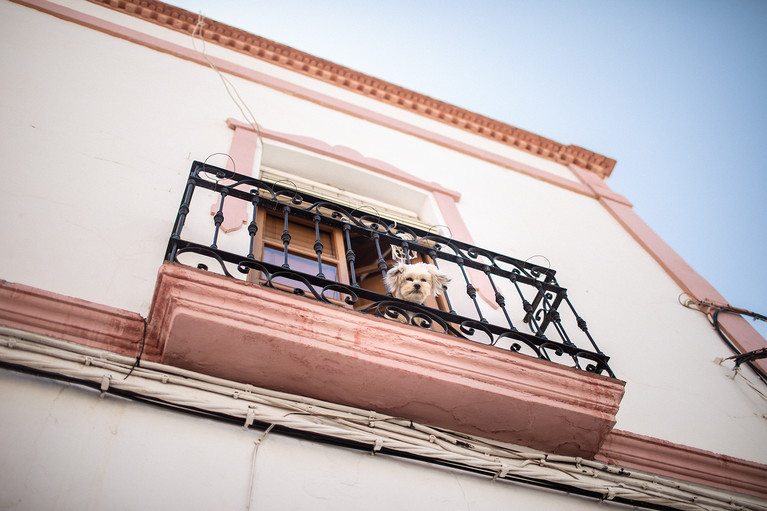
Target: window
[(325, 251), (302, 247)]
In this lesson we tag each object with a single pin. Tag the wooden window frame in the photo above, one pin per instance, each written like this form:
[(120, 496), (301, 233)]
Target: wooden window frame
[(366, 274)]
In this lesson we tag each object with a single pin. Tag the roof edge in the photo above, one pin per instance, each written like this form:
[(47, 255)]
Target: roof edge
[(298, 61)]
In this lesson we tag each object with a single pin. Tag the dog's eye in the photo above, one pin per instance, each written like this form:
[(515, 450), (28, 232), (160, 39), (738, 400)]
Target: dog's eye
[(410, 279)]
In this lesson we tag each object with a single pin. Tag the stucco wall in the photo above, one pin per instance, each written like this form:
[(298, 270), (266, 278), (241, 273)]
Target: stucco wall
[(98, 134), (73, 450)]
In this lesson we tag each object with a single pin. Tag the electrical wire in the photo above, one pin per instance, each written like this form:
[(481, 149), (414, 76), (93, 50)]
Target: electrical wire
[(713, 318), (141, 349), (201, 394), (231, 90), (256, 444)]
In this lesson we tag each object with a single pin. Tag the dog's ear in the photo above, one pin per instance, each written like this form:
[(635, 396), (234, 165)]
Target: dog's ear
[(394, 277), (439, 280)]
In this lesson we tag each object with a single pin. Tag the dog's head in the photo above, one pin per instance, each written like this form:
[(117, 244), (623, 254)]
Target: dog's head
[(415, 282)]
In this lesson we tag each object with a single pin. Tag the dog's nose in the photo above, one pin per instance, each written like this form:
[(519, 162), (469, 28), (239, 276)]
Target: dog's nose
[(417, 286)]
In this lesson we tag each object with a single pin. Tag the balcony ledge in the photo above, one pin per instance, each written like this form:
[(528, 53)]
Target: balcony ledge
[(99, 326), (251, 334)]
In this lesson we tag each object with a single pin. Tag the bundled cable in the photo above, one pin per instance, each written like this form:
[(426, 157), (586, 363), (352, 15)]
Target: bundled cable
[(713, 318), (198, 393)]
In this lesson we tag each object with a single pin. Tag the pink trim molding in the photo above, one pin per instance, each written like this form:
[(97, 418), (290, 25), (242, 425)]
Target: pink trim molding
[(445, 198), (338, 152), (738, 330), (382, 346), (523, 140), (70, 319), (597, 187), (242, 155), (289, 58), (251, 334), (657, 456)]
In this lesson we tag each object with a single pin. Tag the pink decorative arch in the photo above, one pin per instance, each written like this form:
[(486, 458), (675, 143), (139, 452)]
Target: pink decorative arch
[(242, 155), (245, 144)]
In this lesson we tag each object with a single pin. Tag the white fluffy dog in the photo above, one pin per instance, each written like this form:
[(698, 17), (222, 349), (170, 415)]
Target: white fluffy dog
[(415, 282)]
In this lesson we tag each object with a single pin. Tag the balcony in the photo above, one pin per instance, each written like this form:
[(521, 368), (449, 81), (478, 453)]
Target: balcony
[(302, 306), (366, 238)]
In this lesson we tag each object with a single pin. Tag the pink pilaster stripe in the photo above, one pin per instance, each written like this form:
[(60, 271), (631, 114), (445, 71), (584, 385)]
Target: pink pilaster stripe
[(242, 154), (738, 330)]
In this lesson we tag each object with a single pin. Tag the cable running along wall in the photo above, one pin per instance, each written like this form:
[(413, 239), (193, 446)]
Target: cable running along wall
[(255, 407)]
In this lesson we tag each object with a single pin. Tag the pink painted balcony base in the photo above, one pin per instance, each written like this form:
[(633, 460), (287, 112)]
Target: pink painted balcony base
[(251, 334), (119, 331)]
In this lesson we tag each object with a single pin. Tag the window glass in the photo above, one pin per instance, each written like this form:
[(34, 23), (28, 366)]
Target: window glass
[(299, 263), (302, 264)]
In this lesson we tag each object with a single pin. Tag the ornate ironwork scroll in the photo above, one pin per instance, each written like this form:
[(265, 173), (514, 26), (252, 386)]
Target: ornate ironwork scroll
[(531, 290)]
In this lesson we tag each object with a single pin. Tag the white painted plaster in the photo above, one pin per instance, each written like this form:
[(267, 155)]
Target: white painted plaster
[(98, 135), (75, 450), (352, 98)]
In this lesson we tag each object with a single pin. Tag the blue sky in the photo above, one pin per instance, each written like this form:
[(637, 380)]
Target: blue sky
[(674, 90)]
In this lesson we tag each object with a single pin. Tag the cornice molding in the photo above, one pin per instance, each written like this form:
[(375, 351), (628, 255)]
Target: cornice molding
[(70, 319), (284, 56), (653, 455)]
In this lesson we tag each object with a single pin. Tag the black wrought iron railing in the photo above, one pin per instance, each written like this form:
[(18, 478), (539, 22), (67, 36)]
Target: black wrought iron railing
[(307, 245)]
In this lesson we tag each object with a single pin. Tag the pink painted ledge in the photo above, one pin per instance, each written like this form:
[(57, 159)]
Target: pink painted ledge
[(653, 455), (519, 380), (251, 334), (70, 319)]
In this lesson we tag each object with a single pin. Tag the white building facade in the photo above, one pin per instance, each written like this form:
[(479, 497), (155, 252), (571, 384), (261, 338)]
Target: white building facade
[(196, 222)]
